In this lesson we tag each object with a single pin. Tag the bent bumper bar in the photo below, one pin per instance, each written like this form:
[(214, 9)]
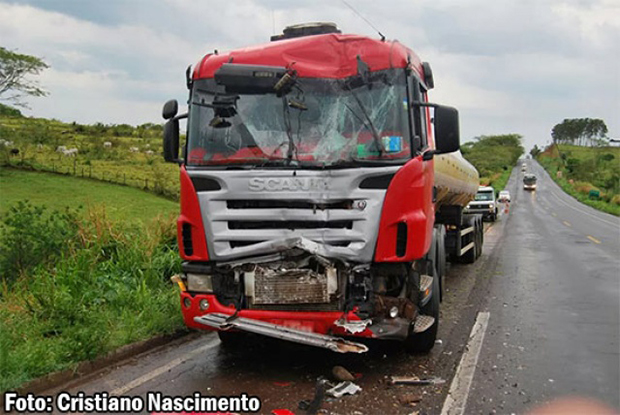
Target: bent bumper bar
[(224, 322)]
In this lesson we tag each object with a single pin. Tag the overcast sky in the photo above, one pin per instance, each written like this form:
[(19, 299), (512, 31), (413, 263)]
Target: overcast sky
[(509, 66)]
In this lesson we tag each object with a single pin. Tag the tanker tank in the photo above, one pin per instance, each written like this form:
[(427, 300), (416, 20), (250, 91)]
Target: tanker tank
[(456, 180)]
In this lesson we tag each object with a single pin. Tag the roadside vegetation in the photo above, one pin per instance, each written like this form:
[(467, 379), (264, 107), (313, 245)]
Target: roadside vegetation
[(57, 192), (78, 282), (122, 154), (494, 156), (589, 174)]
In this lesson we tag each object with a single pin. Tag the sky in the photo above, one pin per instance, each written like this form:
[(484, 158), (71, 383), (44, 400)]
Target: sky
[(509, 66)]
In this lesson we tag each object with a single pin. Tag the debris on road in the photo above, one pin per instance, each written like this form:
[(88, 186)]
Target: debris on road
[(342, 375), (313, 406), (414, 380), (409, 399), (344, 388)]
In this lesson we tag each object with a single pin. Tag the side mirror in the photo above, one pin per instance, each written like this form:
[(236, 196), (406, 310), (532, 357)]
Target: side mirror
[(171, 140), (170, 109), (447, 136)]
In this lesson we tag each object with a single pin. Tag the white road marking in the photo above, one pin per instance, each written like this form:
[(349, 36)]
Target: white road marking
[(567, 224), (459, 389), (583, 211), (593, 239), (163, 369)]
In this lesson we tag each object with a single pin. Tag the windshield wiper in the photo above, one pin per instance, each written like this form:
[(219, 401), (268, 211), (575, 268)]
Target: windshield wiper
[(375, 135)]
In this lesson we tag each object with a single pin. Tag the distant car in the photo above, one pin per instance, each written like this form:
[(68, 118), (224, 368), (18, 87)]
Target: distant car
[(529, 182), (484, 203), (504, 196), (524, 167)]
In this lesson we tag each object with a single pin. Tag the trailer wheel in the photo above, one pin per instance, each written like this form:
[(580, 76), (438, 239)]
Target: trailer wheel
[(424, 342)]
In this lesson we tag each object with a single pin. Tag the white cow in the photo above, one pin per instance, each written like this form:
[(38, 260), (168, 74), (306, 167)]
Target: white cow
[(107, 144), (61, 149), (134, 149)]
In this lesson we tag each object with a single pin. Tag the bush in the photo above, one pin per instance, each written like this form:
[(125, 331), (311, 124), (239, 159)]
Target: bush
[(31, 236), (108, 285)]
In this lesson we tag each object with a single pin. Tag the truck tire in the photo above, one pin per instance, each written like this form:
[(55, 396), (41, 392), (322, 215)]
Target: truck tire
[(441, 260), (424, 342), (480, 236), (232, 339)]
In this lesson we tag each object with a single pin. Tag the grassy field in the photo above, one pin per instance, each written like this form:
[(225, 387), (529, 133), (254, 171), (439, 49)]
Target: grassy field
[(586, 169), (78, 283), (114, 153), (58, 191)]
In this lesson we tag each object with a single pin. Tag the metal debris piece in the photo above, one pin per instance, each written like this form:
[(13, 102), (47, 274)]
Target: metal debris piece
[(313, 406), (353, 326), (414, 380), (342, 375), (336, 344), (343, 388)]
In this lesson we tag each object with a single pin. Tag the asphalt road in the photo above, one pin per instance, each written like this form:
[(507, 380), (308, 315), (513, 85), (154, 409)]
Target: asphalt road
[(554, 304), (547, 281)]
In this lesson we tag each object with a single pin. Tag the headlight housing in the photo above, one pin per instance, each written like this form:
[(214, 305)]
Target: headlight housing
[(201, 283)]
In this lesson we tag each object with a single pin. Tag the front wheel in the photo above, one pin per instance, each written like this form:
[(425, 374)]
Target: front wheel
[(424, 342)]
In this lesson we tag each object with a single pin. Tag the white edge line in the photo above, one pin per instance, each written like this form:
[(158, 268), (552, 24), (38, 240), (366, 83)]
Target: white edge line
[(459, 389), (162, 369)]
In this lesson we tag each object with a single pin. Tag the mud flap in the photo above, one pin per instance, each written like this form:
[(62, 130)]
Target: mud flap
[(335, 344)]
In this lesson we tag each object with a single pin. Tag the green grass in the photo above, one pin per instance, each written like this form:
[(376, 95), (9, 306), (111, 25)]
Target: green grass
[(76, 286), (584, 169), (58, 191)]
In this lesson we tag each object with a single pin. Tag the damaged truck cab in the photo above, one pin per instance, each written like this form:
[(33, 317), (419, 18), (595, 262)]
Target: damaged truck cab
[(321, 193)]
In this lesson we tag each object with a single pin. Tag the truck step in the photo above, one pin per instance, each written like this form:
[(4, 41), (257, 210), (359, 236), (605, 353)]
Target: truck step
[(224, 322), (423, 323)]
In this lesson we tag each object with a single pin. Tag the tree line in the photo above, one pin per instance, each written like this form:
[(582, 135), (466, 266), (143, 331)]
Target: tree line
[(580, 131)]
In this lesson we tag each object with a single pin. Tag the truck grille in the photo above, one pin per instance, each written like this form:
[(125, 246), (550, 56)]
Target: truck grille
[(299, 286), (341, 215)]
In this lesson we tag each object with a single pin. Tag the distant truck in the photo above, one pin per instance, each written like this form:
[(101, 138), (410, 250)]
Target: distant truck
[(529, 182), (484, 203), (321, 193)]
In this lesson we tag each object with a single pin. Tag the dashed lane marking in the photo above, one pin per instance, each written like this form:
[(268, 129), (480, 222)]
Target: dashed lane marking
[(567, 224), (554, 214), (593, 239), (459, 389), (583, 211), (163, 369)]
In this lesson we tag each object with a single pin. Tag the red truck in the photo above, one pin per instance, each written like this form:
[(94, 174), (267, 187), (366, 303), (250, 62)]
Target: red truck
[(321, 193)]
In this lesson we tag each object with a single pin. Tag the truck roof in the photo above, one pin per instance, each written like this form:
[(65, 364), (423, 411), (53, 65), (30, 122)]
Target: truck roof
[(318, 56), (486, 189)]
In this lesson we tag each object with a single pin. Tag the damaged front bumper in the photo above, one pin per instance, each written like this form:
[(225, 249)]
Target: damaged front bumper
[(300, 295), (335, 344)]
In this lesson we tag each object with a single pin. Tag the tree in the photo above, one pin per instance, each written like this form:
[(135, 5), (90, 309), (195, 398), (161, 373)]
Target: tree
[(15, 68), (535, 151), (580, 131)]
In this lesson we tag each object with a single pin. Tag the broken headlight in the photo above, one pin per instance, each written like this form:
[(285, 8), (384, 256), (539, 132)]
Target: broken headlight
[(199, 283)]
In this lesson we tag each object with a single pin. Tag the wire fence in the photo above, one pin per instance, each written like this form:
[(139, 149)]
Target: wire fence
[(156, 185)]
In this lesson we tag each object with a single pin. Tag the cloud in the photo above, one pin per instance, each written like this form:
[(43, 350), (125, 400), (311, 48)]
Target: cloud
[(508, 66)]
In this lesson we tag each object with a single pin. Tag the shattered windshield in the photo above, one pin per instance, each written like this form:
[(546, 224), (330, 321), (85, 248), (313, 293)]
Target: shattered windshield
[(320, 123)]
